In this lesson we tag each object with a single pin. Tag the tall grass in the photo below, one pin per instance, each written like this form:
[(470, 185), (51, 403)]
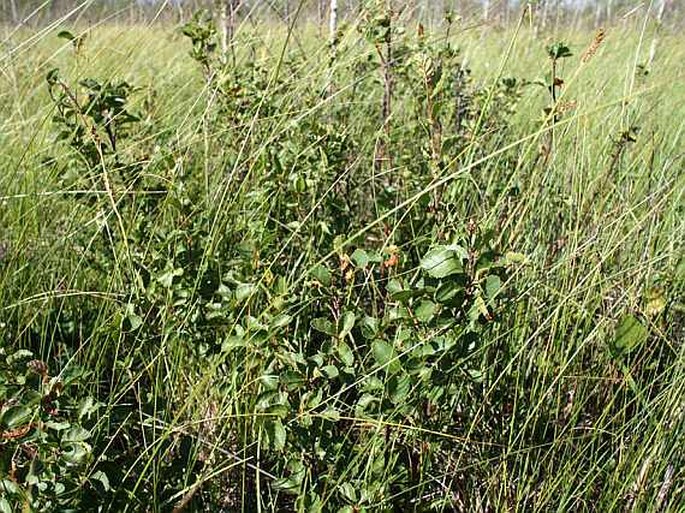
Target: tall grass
[(203, 306)]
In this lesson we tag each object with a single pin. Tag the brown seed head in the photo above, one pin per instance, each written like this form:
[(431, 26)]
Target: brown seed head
[(594, 46)]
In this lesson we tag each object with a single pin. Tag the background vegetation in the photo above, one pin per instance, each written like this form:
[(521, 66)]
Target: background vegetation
[(408, 265)]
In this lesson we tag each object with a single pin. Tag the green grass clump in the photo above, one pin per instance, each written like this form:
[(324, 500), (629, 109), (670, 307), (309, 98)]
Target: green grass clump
[(304, 276)]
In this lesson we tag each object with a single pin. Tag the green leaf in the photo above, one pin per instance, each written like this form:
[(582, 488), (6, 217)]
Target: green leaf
[(52, 78), (278, 410), (5, 506), (292, 380), (10, 487), (57, 426), (134, 320), (348, 320), (460, 252), (314, 399), (476, 375), (364, 402), (290, 485), (166, 279), (345, 353), (447, 291), (270, 381), (76, 434), (75, 452), (16, 416), (515, 258), (360, 258), (425, 311), (330, 371), (398, 387), (383, 352), (324, 326), (558, 51), (478, 308), (441, 262), (369, 327), (348, 492), (65, 34), (102, 479), (281, 321), (493, 284), (244, 291), (321, 274), (630, 333), (395, 286), (277, 434), (331, 414)]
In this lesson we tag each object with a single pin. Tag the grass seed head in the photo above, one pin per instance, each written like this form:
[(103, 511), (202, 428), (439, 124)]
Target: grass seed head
[(594, 46)]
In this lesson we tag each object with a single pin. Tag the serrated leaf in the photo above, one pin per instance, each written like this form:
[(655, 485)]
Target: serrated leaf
[(558, 50)]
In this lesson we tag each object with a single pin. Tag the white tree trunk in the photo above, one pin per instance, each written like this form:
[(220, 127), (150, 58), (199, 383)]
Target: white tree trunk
[(223, 21), (655, 39), (333, 35), (660, 12), (15, 14), (333, 21)]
